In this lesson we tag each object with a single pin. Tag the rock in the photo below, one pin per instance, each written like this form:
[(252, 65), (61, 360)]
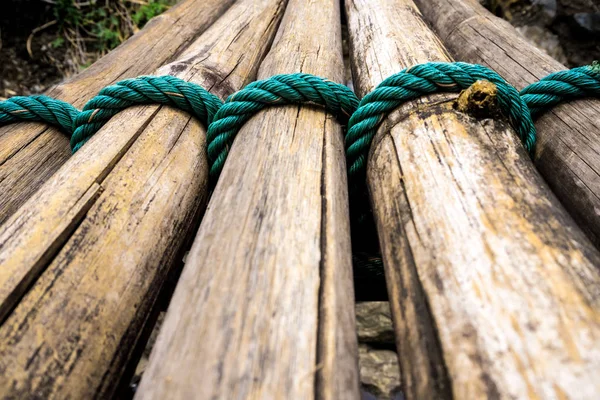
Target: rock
[(379, 373), (588, 21), (524, 12), (378, 360), (570, 7), (545, 40), (567, 30), (374, 323)]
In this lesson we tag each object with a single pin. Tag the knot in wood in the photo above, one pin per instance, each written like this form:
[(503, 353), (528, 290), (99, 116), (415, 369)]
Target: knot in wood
[(479, 100)]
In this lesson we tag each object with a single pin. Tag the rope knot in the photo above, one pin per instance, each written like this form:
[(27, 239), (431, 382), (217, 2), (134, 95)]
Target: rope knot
[(479, 100)]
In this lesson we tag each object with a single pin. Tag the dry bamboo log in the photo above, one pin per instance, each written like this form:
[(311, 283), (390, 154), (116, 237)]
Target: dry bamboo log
[(568, 149), (264, 307), (108, 226), (494, 289), (30, 153)]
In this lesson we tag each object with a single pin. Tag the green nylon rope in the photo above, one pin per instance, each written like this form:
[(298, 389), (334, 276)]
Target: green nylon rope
[(224, 121), (417, 81), (166, 90), (284, 89), (444, 77), (81, 125), (38, 108), (561, 86)]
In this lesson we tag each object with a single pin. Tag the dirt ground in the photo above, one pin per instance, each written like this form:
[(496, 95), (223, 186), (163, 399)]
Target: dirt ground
[(21, 74)]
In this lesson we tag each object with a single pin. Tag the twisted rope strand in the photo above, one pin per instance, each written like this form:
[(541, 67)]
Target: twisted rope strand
[(81, 125), (38, 108), (561, 86)]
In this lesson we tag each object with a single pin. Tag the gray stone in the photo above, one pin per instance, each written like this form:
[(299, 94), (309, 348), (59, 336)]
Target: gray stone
[(379, 373), (374, 322), (545, 40)]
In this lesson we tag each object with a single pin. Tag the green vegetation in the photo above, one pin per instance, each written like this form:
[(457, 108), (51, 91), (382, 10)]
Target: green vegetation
[(90, 29), (148, 11)]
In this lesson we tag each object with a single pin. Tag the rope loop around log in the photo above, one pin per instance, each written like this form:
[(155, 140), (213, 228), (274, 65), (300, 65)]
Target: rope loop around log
[(80, 126), (285, 89), (417, 81), (167, 90)]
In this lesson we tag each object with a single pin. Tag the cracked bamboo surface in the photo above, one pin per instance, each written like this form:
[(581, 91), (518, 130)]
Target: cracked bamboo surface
[(264, 308), (31, 152), (568, 149), (105, 230), (494, 289)]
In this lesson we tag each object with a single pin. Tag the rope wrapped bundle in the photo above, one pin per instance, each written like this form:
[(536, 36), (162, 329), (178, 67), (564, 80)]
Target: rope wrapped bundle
[(568, 150), (486, 272), (448, 190), (271, 265), (85, 258), (31, 153)]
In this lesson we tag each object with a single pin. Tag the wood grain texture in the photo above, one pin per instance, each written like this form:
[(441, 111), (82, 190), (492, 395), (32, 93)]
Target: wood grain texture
[(108, 226), (568, 149), (264, 307), (495, 291), (30, 152)]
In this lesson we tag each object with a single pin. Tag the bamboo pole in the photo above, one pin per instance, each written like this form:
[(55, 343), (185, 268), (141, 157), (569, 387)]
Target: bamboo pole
[(264, 307), (105, 230), (568, 149), (494, 289), (31, 152)]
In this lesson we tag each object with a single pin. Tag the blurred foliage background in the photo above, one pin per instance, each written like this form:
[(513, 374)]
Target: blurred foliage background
[(568, 30), (90, 29), (45, 41), (42, 41)]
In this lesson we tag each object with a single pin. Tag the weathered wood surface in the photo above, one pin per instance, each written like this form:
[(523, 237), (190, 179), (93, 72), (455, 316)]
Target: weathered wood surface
[(568, 149), (30, 152), (264, 307), (116, 215), (494, 289)]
